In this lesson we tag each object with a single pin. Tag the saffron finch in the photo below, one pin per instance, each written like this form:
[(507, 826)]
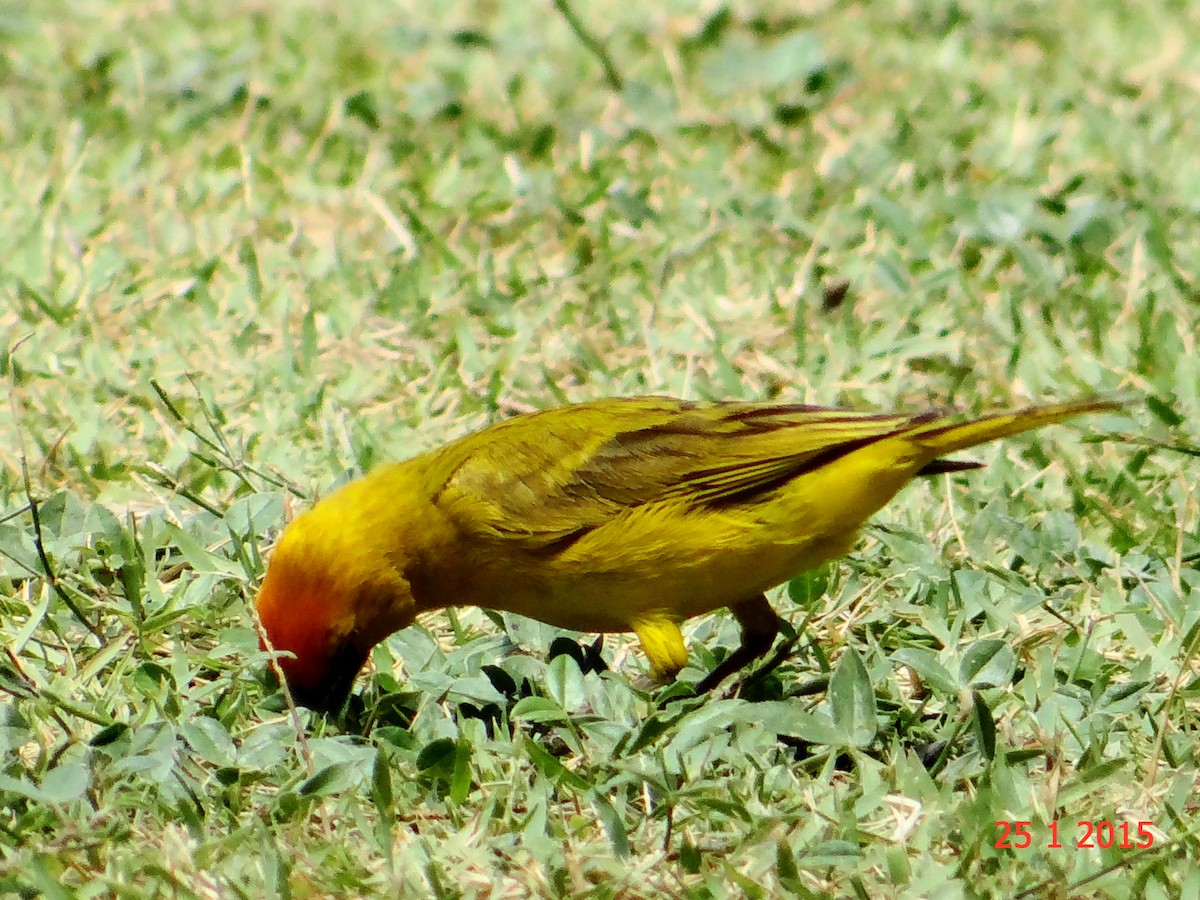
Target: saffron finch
[(615, 515)]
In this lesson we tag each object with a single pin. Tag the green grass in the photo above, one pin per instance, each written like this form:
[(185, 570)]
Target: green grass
[(251, 251)]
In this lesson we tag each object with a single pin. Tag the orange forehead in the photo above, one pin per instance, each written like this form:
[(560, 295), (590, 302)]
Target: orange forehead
[(297, 613)]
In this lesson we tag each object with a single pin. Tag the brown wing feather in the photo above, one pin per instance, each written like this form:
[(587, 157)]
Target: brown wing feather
[(588, 463)]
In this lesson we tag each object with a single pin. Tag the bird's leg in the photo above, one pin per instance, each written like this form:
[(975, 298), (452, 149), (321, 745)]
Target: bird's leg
[(662, 642), (759, 627)]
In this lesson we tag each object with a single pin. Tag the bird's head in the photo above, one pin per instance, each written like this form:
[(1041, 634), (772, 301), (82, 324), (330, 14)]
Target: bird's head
[(332, 591)]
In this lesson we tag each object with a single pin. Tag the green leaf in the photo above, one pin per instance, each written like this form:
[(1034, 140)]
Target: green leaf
[(1092, 779), (381, 784), (538, 709), (651, 729), (788, 719), (985, 725), (852, 700), (210, 740), (202, 560), (248, 257), (66, 782), (808, 587), (332, 779), (987, 663), (564, 682), (785, 863), (554, 770), (151, 677), (437, 754), (1163, 410), (612, 824), (690, 857), (476, 688), (362, 106), (829, 853), (108, 734), (925, 663), (740, 63), (460, 780), (22, 788), (1121, 694)]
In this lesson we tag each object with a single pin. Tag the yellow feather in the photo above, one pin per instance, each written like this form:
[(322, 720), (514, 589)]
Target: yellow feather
[(617, 515)]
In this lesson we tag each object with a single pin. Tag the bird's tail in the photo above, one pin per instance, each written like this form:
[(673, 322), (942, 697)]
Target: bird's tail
[(940, 439)]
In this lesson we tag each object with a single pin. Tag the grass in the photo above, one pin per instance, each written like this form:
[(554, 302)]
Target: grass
[(252, 250)]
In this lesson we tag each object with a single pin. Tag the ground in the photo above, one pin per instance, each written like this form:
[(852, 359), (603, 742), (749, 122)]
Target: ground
[(253, 249)]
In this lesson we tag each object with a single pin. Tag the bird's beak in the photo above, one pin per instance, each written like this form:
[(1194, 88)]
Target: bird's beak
[(331, 694)]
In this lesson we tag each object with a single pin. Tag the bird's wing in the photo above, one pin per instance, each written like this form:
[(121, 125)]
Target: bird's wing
[(583, 465)]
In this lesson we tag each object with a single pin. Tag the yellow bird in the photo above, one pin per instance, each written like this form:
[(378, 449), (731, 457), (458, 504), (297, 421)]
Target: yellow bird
[(615, 515)]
